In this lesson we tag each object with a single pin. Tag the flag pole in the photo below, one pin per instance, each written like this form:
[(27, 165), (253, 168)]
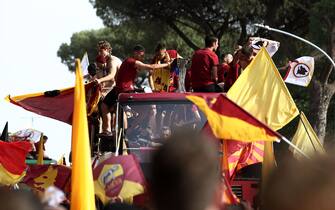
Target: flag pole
[(295, 147), (118, 142), (297, 37), (40, 153)]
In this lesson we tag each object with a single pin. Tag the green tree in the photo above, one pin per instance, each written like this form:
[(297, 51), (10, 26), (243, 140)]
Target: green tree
[(123, 37), (313, 20), (217, 17), (322, 29)]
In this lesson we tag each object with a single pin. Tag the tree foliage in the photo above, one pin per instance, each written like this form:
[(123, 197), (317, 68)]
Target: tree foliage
[(123, 37), (217, 17)]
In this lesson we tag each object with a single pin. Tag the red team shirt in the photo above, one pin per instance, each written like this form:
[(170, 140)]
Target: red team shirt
[(227, 74), (202, 62), (126, 75), (232, 75), (172, 53)]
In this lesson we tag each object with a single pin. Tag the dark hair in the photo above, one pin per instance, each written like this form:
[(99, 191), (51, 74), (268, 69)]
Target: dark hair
[(120, 206), (160, 46), (138, 48), (223, 54), (305, 184), (92, 69), (247, 51), (209, 40), (179, 180), (105, 45)]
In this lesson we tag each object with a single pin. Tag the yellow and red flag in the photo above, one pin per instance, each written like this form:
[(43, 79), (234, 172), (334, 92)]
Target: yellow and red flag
[(119, 178), (242, 133), (161, 79), (241, 154), (82, 188), (56, 104), (12, 160), (262, 92), (237, 154), (40, 177), (228, 121)]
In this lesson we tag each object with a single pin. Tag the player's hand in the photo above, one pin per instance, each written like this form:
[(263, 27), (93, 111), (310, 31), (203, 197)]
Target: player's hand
[(97, 81)]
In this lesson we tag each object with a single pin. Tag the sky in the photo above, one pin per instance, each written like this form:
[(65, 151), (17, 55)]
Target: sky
[(31, 32)]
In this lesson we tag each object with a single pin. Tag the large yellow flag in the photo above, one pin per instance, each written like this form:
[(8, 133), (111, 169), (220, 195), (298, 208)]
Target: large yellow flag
[(306, 139), (261, 91), (82, 188)]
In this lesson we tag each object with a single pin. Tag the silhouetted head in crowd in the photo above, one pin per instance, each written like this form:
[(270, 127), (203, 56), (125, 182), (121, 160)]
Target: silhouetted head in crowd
[(138, 52), (119, 206), (19, 200), (243, 56), (211, 42), (185, 173), (104, 45), (92, 69), (306, 185), (227, 58), (160, 50)]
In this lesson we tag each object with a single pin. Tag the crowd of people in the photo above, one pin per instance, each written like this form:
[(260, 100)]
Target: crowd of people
[(205, 73), (185, 176)]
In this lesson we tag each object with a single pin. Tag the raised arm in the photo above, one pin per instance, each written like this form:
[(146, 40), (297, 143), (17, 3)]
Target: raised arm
[(113, 66), (142, 66)]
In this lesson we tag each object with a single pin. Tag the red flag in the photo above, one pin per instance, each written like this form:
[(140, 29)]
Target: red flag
[(40, 177), (229, 121), (56, 104), (119, 178), (12, 160), (237, 154), (241, 154)]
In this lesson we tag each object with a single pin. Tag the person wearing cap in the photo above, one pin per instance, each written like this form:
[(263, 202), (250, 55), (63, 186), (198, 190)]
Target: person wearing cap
[(204, 77), (124, 83), (107, 65)]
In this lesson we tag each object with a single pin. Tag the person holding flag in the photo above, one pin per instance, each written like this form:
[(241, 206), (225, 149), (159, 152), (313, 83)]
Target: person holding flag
[(160, 79)]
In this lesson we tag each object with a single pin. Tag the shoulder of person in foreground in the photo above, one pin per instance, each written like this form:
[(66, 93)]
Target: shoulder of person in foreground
[(303, 184)]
